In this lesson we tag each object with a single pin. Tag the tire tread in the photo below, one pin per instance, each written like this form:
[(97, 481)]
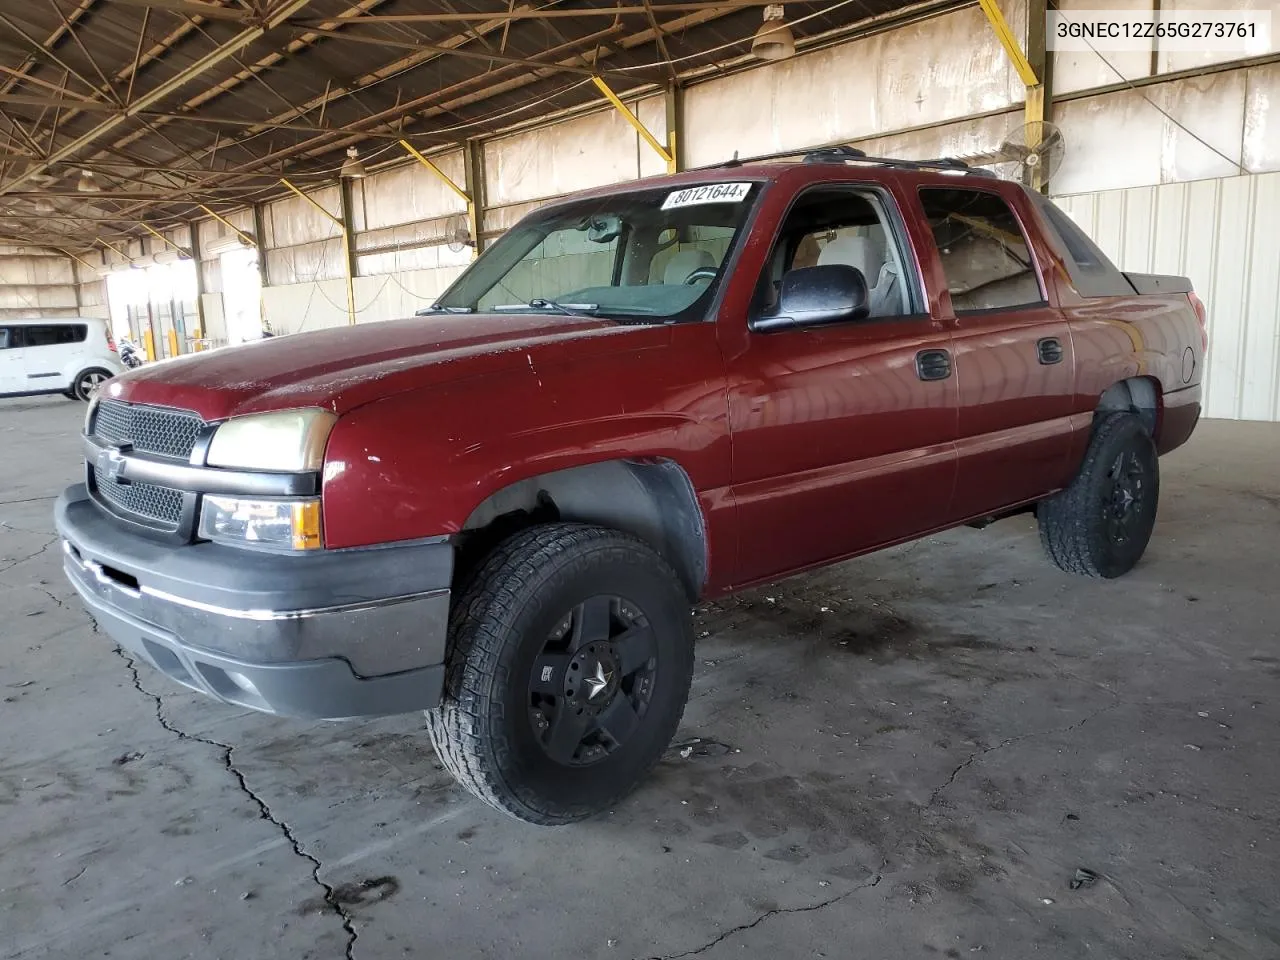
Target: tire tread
[(1068, 536), (480, 627)]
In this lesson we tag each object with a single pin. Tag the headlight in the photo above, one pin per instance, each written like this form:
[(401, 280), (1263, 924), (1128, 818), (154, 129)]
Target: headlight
[(288, 440), (275, 524)]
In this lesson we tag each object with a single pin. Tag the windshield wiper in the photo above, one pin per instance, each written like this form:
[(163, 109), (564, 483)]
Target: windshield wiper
[(437, 308), (541, 303)]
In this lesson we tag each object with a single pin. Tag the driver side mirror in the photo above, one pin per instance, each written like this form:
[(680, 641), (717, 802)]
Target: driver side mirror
[(813, 296)]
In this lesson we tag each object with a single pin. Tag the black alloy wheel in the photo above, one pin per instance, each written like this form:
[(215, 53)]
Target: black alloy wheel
[(1127, 490), (571, 654), (593, 681)]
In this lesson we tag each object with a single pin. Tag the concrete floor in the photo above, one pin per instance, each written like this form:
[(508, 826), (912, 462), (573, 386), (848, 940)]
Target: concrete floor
[(906, 756)]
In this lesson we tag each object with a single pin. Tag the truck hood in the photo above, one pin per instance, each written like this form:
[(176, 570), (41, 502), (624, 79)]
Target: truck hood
[(342, 368)]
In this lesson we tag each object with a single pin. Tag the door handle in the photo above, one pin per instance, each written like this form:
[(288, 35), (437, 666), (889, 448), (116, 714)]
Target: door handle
[(933, 364), (1049, 350)]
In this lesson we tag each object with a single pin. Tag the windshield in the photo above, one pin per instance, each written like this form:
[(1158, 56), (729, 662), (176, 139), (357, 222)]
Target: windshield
[(641, 256)]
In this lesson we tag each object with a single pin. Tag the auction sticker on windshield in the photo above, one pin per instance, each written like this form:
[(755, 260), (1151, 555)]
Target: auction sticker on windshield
[(707, 193)]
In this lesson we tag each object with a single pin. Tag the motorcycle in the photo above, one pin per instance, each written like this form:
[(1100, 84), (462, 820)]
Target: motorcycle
[(130, 355)]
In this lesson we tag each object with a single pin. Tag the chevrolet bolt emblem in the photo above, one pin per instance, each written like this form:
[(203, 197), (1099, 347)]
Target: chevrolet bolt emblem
[(110, 462), (598, 682)]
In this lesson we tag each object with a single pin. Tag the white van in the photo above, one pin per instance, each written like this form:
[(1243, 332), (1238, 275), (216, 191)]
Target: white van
[(70, 356)]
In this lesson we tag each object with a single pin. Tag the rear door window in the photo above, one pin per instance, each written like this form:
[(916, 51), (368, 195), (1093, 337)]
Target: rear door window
[(47, 335), (10, 337), (985, 255)]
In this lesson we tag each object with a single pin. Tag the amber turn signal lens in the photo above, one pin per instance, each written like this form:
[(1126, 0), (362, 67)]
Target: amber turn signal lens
[(307, 534)]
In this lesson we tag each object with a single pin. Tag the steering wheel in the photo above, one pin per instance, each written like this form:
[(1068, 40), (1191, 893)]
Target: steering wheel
[(702, 273)]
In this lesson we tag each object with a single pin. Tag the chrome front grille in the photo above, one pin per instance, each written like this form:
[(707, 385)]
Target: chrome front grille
[(156, 431), (167, 433), (158, 505)]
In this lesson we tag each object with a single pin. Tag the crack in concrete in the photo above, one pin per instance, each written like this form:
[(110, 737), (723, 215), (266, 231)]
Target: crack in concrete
[(50, 595), (821, 905), (34, 533), (6, 503), (30, 556), (1008, 741), (264, 811)]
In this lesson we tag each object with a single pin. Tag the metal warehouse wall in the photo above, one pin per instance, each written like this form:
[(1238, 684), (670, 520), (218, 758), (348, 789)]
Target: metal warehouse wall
[(525, 169), (35, 283), (401, 217), (940, 69), (1222, 234)]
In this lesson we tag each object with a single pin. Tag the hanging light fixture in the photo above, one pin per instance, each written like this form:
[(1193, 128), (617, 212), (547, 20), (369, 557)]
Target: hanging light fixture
[(774, 40), (353, 166), (87, 184)]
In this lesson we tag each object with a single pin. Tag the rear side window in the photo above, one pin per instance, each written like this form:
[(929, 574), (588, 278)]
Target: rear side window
[(9, 337), (1092, 274), (56, 333), (984, 252)]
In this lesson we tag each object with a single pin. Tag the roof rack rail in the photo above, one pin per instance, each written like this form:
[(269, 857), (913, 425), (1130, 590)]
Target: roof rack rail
[(843, 153), (834, 154)]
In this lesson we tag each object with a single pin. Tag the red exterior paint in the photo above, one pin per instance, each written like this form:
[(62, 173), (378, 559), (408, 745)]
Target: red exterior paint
[(804, 446)]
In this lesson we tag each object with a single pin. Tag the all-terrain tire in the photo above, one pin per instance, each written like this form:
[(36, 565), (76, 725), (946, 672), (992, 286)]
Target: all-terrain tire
[(484, 731), (1100, 525)]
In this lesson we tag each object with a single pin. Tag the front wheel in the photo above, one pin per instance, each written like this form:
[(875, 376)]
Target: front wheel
[(1100, 525), (570, 662), (88, 381)]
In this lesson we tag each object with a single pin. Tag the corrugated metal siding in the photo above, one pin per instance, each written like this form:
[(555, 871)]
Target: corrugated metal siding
[(589, 151), (945, 68), (408, 194), (293, 220), (1220, 233), (34, 284)]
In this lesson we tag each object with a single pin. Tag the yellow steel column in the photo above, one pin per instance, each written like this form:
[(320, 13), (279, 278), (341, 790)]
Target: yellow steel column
[(674, 103), (71, 256), (244, 237), (156, 233), (1040, 97), (346, 250), (116, 249), (667, 153), (474, 180), (1010, 43), (473, 221), (1033, 110)]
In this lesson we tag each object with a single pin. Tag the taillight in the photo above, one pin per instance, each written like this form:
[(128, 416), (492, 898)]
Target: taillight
[(111, 344), (1198, 306)]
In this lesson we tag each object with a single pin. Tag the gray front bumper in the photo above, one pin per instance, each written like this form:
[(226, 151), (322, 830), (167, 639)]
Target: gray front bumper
[(329, 635)]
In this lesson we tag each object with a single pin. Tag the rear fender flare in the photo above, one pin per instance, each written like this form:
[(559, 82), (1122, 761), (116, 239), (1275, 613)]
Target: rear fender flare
[(1141, 396)]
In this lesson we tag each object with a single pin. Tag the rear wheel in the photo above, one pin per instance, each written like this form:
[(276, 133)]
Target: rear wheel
[(570, 662), (1100, 525), (88, 381)]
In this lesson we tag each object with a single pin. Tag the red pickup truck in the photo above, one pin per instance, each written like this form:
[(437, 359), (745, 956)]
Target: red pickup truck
[(500, 512)]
